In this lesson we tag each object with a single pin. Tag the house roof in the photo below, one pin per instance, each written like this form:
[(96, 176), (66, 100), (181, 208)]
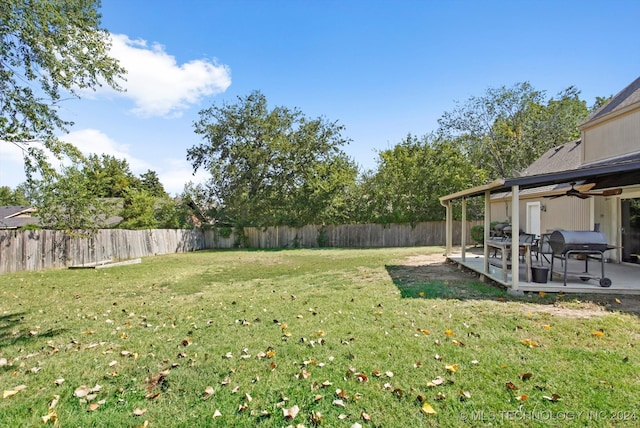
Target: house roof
[(13, 217), (626, 97), (560, 158), (603, 175)]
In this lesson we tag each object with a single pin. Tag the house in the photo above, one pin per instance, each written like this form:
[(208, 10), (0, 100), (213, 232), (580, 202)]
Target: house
[(588, 184), (15, 217)]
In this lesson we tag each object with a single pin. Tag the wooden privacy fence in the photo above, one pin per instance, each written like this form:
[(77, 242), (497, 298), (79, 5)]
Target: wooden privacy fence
[(47, 249), (355, 235)]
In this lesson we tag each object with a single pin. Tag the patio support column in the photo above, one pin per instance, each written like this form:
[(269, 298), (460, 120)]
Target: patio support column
[(515, 236), (487, 227), (449, 234), (463, 237)]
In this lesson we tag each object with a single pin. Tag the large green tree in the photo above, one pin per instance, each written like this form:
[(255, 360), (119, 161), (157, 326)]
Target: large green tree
[(66, 202), (150, 182), (16, 196), (271, 166), (49, 50), (411, 177), (109, 177), (507, 128)]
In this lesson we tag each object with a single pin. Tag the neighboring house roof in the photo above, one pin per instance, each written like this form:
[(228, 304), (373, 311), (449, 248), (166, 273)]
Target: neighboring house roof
[(14, 217), (626, 97)]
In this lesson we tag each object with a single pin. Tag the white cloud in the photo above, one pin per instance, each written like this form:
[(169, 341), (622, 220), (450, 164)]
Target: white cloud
[(90, 141), (11, 165), (158, 85), (178, 173)]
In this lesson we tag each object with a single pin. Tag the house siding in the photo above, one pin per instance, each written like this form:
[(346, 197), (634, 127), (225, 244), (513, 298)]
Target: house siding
[(615, 137), (567, 213)]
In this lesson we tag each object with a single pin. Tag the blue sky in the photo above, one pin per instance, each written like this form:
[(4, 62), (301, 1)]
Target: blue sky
[(382, 69)]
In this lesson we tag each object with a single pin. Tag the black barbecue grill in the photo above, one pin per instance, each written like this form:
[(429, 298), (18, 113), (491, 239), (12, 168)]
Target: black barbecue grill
[(565, 243)]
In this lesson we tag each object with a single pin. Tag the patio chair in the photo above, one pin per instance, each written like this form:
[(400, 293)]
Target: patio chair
[(525, 238), (542, 248)]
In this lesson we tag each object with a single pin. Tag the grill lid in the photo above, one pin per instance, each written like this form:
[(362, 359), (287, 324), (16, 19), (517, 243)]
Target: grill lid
[(562, 241)]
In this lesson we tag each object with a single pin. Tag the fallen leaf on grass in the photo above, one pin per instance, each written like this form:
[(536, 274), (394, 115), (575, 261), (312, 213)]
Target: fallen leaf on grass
[(93, 407), (530, 343), (449, 333), (361, 377), (522, 397), (52, 417), (427, 409), (435, 382), (464, 395), (316, 418), (553, 398), (139, 412), (525, 376), (423, 331), (511, 386), (157, 379), (451, 368), (291, 412), (598, 333), (82, 391), (365, 417), (304, 374), (338, 402), (14, 391), (217, 414), (208, 392), (341, 393)]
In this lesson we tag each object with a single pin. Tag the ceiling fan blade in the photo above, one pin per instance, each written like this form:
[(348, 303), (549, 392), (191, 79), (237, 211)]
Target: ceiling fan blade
[(609, 192), (612, 192)]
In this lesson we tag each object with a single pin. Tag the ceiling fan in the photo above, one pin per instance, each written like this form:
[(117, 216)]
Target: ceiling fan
[(584, 195)]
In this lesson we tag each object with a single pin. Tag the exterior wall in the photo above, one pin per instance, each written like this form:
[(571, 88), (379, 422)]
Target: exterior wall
[(615, 137), (606, 214), (559, 213)]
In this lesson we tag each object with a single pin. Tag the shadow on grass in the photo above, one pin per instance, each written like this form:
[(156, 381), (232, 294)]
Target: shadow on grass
[(441, 282), (12, 334)]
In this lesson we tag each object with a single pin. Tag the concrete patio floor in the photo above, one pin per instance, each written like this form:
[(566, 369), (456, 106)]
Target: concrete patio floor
[(625, 277)]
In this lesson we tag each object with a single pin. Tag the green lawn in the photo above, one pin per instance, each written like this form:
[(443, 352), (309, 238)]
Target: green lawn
[(305, 337)]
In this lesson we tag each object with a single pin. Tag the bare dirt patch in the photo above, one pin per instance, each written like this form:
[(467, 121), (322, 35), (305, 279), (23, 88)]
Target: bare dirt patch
[(434, 267)]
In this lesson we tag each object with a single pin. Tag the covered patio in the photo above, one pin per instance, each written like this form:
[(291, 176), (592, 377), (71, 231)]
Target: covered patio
[(516, 277), (624, 277)]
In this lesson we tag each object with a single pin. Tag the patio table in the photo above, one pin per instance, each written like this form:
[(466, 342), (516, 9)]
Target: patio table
[(505, 249)]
